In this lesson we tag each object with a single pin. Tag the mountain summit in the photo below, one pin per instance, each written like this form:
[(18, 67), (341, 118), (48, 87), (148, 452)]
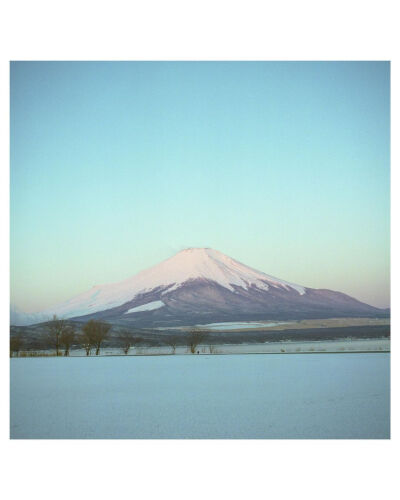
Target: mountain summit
[(200, 285)]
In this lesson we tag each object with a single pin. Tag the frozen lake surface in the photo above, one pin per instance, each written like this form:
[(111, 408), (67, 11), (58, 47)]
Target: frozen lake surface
[(209, 396), (241, 325)]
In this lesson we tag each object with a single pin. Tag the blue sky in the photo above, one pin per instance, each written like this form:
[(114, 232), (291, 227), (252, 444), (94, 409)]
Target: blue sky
[(117, 166)]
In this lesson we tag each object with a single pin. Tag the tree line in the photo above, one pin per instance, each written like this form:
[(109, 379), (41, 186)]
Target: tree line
[(62, 336)]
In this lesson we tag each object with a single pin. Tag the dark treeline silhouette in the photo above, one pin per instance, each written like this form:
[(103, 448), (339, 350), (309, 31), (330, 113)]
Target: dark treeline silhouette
[(129, 339), (67, 338), (62, 336), (16, 344), (59, 336), (94, 333), (195, 338), (49, 339), (55, 329), (173, 342)]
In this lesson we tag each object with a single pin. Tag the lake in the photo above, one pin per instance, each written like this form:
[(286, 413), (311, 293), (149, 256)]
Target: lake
[(274, 396)]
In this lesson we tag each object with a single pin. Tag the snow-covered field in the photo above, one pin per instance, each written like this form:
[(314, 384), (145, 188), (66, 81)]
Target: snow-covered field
[(242, 396)]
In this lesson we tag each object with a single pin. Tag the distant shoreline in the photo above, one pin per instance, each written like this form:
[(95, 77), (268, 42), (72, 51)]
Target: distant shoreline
[(283, 347)]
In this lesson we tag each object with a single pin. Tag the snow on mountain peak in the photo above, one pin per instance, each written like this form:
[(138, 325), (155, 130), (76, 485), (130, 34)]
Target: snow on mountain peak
[(188, 264), (211, 264)]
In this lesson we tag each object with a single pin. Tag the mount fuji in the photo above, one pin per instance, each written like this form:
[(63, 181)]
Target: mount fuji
[(200, 285)]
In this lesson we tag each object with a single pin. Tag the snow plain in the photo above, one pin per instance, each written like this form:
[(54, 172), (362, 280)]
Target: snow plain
[(242, 396)]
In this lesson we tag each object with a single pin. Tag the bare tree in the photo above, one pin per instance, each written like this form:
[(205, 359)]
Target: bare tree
[(172, 342), (55, 329), (101, 333), (86, 342), (67, 337), (129, 340), (88, 336), (96, 332), (195, 338), (15, 345), (212, 349)]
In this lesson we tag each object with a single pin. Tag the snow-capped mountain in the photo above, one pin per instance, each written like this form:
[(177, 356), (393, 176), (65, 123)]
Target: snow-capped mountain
[(200, 285)]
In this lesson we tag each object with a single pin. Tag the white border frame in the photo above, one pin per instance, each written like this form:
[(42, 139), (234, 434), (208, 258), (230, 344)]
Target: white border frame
[(178, 30)]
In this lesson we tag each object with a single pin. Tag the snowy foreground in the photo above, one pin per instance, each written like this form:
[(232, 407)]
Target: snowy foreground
[(241, 396)]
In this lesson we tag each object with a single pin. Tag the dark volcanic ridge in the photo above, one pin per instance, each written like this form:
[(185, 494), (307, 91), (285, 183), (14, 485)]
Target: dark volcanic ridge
[(201, 302)]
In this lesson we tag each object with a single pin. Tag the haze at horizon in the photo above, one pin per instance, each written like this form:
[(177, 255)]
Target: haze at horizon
[(117, 166)]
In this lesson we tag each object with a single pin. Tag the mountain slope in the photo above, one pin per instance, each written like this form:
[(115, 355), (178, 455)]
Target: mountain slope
[(200, 285)]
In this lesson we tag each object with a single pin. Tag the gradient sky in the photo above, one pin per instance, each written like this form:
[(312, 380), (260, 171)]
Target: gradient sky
[(117, 166)]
